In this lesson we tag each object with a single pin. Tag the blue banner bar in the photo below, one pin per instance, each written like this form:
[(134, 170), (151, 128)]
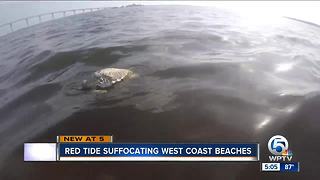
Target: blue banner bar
[(249, 151)]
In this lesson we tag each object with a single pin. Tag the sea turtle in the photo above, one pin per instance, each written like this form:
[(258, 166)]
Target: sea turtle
[(106, 78)]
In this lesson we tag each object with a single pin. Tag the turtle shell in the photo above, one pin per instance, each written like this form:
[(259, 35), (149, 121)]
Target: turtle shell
[(110, 76), (114, 73)]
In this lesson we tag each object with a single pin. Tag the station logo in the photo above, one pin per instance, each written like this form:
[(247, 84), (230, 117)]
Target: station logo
[(279, 147)]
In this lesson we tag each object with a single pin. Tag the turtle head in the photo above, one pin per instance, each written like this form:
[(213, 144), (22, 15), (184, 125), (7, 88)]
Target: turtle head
[(85, 85)]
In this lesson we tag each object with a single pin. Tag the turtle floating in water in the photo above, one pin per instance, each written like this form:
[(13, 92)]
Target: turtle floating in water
[(106, 78)]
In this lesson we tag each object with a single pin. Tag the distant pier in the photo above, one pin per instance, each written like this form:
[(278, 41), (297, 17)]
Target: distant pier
[(37, 19)]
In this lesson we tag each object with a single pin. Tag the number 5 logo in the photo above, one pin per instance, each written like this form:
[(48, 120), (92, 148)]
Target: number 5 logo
[(278, 144)]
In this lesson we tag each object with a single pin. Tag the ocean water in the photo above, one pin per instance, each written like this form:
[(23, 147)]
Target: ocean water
[(204, 75)]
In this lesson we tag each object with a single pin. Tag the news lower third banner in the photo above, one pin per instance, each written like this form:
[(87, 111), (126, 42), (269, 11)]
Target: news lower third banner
[(101, 148)]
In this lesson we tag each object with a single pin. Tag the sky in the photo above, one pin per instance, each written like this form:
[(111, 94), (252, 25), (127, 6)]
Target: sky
[(305, 10)]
